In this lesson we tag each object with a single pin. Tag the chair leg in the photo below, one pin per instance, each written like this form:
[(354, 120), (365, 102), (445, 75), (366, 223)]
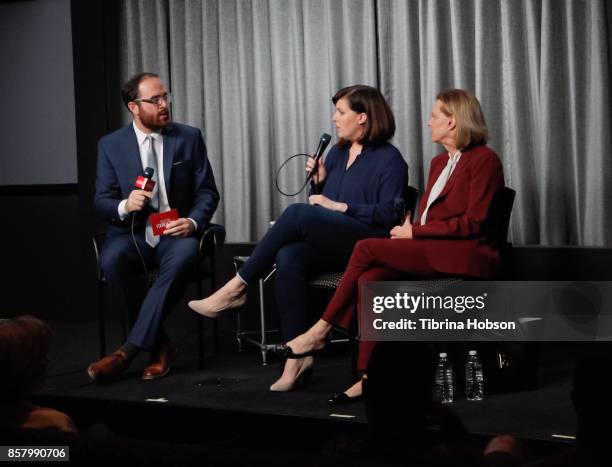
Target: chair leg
[(101, 324), (264, 357), (262, 323)]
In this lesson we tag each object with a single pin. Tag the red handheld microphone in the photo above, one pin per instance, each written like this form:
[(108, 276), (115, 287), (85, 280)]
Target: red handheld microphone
[(145, 181)]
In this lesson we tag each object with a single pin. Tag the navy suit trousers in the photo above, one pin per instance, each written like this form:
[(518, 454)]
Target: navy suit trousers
[(305, 241), (124, 272)]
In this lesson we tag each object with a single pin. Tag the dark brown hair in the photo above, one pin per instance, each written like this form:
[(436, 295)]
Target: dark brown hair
[(129, 90), (469, 119), (24, 342), (380, 125)]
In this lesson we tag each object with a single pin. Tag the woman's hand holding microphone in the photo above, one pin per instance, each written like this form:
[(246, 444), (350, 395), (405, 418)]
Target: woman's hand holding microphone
[(320, 174)]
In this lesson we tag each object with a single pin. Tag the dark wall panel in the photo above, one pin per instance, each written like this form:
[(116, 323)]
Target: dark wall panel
[(40, 256), (38, 123)]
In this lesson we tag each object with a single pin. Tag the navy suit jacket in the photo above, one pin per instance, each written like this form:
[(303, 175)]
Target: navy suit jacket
[(189, 179)]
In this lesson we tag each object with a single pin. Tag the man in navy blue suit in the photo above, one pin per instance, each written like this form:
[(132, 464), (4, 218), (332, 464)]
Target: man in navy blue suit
[(185, 182)]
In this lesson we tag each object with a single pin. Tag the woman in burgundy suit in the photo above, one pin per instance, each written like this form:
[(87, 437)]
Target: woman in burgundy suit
[(447, 239)]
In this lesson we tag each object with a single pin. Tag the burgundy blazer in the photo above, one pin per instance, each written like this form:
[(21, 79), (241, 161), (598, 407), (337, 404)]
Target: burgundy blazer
[(453, 237)]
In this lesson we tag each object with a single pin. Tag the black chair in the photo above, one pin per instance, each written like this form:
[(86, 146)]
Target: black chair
[(211, 242), (498, 224)]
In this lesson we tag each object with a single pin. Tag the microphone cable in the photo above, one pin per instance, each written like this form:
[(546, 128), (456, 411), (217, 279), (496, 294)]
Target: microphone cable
[(306, 180), (142, 260), (323, 142), (148, 175)]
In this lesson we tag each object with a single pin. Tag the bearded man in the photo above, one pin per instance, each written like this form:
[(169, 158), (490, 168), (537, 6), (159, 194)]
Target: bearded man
[(183, 181)]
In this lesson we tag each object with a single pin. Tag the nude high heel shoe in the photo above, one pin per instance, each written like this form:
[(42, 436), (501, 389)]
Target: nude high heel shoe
[(204, 308), (303, 377)]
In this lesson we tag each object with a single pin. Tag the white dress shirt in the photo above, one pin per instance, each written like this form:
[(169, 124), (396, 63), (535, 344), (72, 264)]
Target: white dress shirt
[(440, 183), (143, 148)]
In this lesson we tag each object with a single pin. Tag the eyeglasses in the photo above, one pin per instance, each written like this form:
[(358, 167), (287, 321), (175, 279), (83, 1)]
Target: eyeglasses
[(167, 98)]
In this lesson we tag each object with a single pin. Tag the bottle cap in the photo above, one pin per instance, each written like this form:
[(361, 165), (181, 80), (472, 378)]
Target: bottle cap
[(442, 354), (472, 352)]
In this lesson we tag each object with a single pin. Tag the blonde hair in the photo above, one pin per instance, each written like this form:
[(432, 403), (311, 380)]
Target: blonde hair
[(469, 120)]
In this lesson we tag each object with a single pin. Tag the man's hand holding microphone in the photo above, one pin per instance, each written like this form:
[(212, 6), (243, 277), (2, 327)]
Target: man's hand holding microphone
[(139, 198)]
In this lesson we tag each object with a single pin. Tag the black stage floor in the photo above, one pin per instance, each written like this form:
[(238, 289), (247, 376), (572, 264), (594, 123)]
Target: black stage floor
[(234, 386)]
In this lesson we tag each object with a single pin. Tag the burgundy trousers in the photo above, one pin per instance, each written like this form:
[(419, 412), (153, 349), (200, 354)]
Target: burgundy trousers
[(375, 259)]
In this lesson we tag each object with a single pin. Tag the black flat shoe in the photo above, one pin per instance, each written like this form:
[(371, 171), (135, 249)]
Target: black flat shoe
[(343, 399), (283, 350)]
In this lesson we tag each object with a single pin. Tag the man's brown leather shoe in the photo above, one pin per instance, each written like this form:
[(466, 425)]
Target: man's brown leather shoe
[(109, 368), (159, 363)]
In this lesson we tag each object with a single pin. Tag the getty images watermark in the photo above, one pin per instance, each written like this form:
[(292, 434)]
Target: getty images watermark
[(455, 310)]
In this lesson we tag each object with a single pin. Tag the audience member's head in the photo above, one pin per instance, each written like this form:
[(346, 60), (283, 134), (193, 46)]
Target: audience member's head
[(504, 451), (24, 342)]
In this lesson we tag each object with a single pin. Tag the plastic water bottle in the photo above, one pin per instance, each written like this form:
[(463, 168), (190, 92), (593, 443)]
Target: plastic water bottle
[(474, 378), (444, 380)]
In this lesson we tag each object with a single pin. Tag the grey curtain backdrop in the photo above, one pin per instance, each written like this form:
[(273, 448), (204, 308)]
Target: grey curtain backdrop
[(257, 78)]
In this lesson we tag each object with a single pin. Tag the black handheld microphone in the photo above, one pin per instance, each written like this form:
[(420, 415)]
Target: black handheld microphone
[(145, 181), (323, 143), (148, 172)]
